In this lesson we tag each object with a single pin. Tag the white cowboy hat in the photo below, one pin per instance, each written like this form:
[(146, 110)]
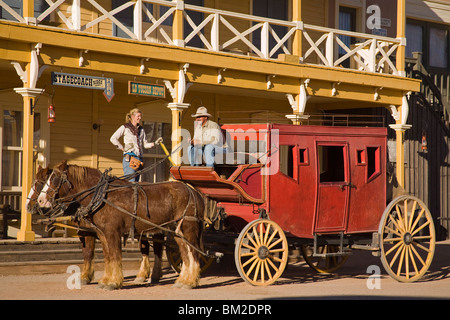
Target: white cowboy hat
[(201, 112)]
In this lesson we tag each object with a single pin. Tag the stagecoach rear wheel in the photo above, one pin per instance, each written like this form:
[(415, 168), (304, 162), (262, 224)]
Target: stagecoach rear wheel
[(261, 252), (407, 239), (174, 256), (324, 264)]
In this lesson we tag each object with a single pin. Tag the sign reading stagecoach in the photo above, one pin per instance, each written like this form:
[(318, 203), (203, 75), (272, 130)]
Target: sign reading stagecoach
[(86, 82)]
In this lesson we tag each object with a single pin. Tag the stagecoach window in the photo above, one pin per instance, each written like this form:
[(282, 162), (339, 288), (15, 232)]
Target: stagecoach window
[(373, 162), (360, 156), (303, 156), (331, 163), (287, 160)]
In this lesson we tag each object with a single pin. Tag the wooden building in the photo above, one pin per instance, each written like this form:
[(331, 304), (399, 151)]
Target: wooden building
[(251, 60)]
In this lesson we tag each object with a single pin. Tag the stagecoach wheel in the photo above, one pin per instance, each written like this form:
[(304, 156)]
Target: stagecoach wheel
[(174, 256), (327, 264), (407, 239), (261, 252)]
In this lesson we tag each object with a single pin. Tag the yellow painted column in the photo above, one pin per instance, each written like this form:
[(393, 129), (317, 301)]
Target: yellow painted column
[(29, 95), (178, 30), (297, 17), (28, 9), (401, 34), (177, 110), (400, 127)]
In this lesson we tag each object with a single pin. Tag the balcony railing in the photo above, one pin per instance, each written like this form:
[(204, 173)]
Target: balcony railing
[(219, 31)]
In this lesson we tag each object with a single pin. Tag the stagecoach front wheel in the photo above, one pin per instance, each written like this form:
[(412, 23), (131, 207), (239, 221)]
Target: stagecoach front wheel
[(407, 239), (261, 252)]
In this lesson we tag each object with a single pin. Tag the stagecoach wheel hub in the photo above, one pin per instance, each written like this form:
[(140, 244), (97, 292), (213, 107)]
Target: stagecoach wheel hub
[(407, 239), (263, 252)]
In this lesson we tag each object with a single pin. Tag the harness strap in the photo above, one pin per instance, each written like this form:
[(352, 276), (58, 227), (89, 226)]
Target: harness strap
[(133, 219)]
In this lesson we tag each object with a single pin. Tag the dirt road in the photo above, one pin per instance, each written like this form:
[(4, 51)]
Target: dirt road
[(222, 282)]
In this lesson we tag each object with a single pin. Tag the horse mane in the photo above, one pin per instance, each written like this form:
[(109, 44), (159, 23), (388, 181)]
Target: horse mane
[(79, 173)]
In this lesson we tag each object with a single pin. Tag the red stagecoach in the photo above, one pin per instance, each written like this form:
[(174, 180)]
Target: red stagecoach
[(321, 189)]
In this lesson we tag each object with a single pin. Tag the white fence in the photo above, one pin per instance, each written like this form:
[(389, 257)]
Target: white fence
[(219, 31)]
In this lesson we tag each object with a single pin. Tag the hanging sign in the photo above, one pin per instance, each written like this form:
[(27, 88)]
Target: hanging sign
[(146, 89), (87, 82)]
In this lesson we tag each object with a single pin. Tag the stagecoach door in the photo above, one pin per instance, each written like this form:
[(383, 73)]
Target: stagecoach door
[(333, 179)]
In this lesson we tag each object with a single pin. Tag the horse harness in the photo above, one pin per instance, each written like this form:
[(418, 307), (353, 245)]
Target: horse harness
[(99, 197)]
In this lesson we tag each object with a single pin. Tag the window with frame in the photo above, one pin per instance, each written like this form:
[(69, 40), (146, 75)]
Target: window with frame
[(12, 147), (347, 22), (432, 40), (438, 44), (275, 9)]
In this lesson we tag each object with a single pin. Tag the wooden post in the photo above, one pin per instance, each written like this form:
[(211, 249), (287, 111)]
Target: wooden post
[(297, 17), (400, 127), (177, 110), (401, 34), (178, 30), (29, 95)]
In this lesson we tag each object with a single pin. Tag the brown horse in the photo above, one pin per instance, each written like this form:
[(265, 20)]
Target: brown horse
[(88, 242), (173, 205)]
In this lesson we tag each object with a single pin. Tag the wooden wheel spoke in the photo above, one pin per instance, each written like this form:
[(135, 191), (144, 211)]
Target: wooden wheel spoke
[(274, 267), (390, 230), (418, 245), (418, 218), (257, 269), (412, 216), (256, 237), (394, 247), (420, 228), (275, 243), (249, 246), (399, 250), (400, 264), (401, 223), (417, 256), (387, 240), (250, 238), (395, 222), (266, 266), (267, 235)]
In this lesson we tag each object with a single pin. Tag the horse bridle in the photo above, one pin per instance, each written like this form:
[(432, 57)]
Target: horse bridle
[(62, 181), (36, 207)]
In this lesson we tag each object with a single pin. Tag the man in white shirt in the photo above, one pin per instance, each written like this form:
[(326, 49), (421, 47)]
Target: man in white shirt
[(207, 137)]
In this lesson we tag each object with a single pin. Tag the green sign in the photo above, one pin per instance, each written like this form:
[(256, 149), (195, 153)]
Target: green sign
[(146, 89)]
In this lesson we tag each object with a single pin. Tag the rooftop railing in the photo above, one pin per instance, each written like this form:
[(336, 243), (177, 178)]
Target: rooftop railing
[(179, 24)]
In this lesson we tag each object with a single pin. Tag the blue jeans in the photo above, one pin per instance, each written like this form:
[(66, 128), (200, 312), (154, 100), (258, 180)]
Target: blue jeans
[(197, 153), (127, 170)]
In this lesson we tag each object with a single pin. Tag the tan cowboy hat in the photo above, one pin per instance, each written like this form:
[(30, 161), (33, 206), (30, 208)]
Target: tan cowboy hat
[(201, 112)]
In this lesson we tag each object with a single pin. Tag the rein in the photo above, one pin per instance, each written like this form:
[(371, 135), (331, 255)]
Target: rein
[(99, 197)]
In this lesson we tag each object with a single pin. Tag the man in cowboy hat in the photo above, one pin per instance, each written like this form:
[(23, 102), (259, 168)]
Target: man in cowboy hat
[(207, 136)]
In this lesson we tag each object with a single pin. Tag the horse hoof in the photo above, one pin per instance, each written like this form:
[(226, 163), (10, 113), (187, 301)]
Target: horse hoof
[(182, 286), (154, 280), (110, 287), (139, 280)]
